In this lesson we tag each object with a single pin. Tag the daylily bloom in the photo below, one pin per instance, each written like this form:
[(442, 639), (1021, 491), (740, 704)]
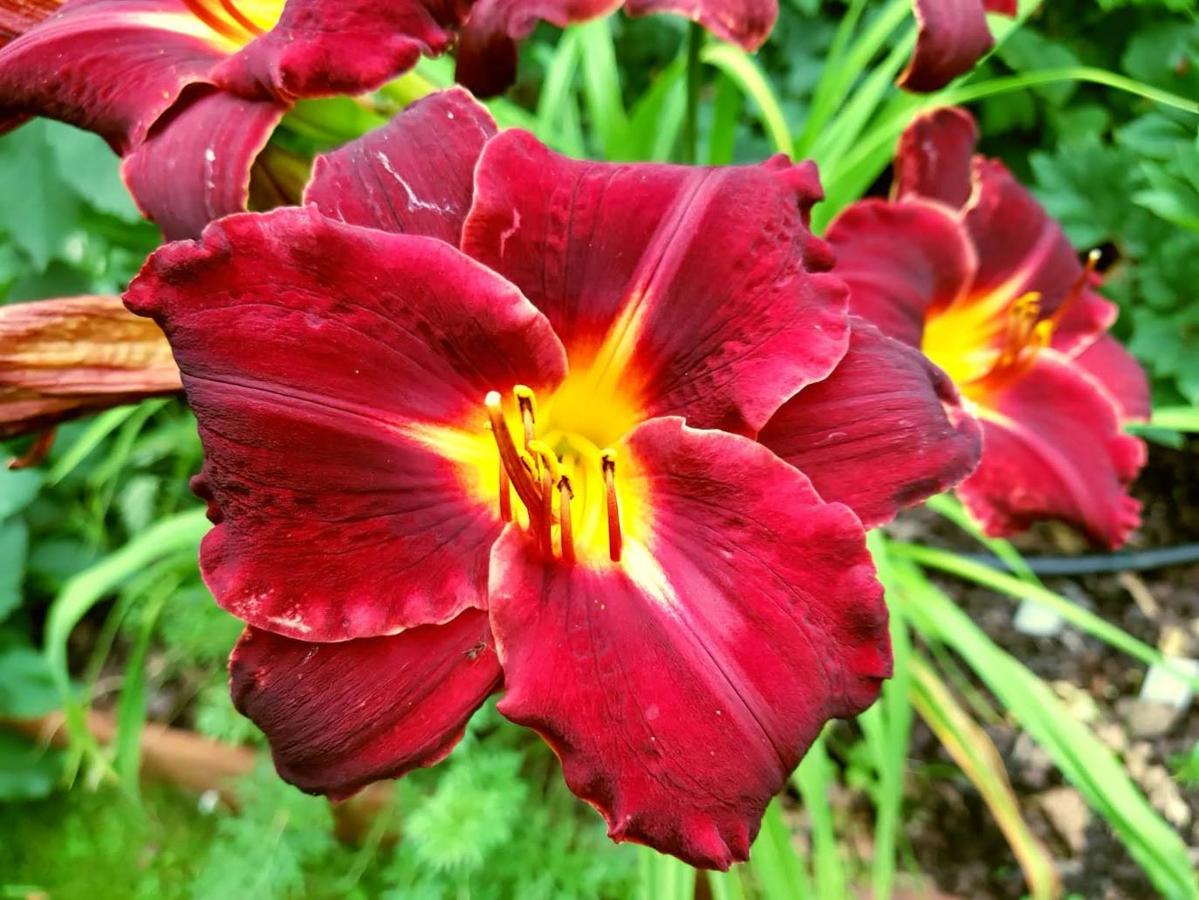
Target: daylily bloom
[(952, 36), (498, 430), (487, 42), (64, 358), (966, 265), (189, 91)]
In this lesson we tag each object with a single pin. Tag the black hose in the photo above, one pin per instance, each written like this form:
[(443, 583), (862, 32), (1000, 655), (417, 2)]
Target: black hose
[(1128, 561)]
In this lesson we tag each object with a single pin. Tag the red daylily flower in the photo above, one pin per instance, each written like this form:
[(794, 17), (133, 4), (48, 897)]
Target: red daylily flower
[(966, 265), (952, 36), (189, 91), (487, 42), (483, 416)]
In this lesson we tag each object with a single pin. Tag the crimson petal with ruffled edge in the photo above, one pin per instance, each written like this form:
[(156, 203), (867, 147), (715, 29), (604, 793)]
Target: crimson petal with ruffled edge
[(952, 36), (109, 66), (1121, 375), (682, 687), (310, 350), (885, 431), (901, 260), (194, 165), (935, 156), (325, 47), (704, 283), (415, 175), (339, 716), (746, 23), (1052, 449)]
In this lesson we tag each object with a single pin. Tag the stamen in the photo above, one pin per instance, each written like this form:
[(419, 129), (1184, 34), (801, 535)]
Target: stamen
[(567, 540), (505, 490), (510, 457), (526, 401), (549, 474), (237, 16), (199, 9), (615, 540), (1080, 285)]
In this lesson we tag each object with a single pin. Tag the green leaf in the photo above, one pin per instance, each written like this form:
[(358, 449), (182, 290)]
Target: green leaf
[(27, 688), (27, 772), (14, 547), (1066, 185), (1155, 136), (17, 488), (91, 169), (1026, 50), (40, 209)]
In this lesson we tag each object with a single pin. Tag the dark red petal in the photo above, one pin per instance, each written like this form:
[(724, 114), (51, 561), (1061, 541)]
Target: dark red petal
[(1120, 373), (414, 175), (325, 47), (935, 154), (110, 66), (339, 716), (1053, 449), (744, 22), (885, 431), (1007, 8), (1020, 248), (313, 353), (486, 54), (64, 358), (195, 164), (952, 36), (681, 687), (18, 16), (697, 281), (901, 260)]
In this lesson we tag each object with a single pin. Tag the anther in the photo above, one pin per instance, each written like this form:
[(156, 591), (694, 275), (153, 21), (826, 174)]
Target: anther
[(526, 402), (565, 495), (615, 540)]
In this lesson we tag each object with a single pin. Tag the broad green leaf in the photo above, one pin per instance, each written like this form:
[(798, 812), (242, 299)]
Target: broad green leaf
[(27, 687), (17, 488), (40, 210), (92, 170), (27, 771), (14, 547)]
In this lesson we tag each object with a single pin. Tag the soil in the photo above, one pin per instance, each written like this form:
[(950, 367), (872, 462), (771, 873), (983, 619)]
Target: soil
[(954, 839)]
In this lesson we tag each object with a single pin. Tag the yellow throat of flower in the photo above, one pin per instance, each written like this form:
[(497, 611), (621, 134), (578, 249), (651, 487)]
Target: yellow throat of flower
[(236, 22)]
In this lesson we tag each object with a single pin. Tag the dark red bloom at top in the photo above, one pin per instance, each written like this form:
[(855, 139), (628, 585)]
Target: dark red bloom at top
[(487, 44), (953, 36), (521, 450), (966, 265), (189, 91)]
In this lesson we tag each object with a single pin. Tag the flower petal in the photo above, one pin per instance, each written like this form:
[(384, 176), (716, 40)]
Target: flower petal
[(313, 354), (486, 54), (901, 260), (698, 289), (681, 687), (18, 16), (952, 36), (885, 410), (64, 358), (194, 165), (746, 23), (1120, 373), (414, 175), (1020, 248), (339, 716), (1053, 449), (128, 60), (935, 154), (325, 47)]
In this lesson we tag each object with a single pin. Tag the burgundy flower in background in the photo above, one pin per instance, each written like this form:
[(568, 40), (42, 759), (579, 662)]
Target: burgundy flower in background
[(952, 36), (965, 264), (485, 416), (189, 91), (487, 51)]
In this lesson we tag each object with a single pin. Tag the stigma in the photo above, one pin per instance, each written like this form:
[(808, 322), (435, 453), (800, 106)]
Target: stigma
[(543, 468)]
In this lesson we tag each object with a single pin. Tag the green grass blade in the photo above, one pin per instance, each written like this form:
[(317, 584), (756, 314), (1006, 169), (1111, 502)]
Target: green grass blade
[(774, 861), (664, 877), (601, 87), (97, 430), (976, 756), (131, 710), (557, 112), (1172, 418), (813, 778), (1084, 761), (728, 885), (949, 507), (656, 118), (1010, 586), (737, 65), (726, 110)]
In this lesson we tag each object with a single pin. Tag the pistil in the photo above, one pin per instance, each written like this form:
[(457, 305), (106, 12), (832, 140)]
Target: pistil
[(510, 457)]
